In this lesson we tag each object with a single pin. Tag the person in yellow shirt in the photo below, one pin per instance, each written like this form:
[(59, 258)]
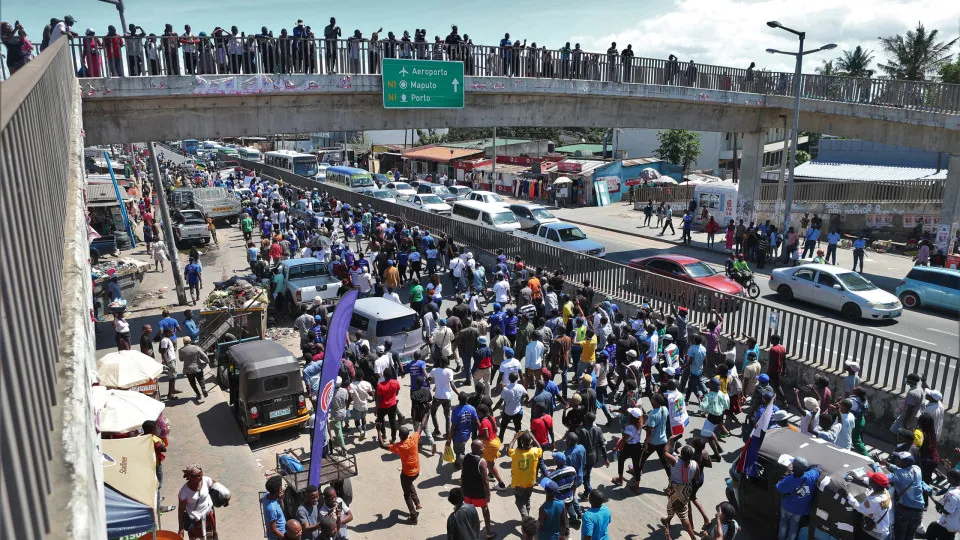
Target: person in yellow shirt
[(588, 354), (523, 469), (566, 309)]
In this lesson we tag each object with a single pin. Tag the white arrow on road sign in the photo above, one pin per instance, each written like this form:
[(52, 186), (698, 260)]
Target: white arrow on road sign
[(456, 85)]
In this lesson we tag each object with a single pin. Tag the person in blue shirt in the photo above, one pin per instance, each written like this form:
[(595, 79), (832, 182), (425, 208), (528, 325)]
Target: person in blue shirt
[(498, 318), (833, 238), (753, 347), (596, 519), (464, 421), (810, 245), (417, 369), (273, 516), (796, 490), (907, 481), (577, 458), (190, 326), (657, 421), (511, 325), (310, 371), (686, 227), (858, 246), (168, 323), (194, 277)]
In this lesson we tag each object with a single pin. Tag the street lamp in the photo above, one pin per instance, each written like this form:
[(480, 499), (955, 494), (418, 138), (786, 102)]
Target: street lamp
[(788, 204), (119, 6)]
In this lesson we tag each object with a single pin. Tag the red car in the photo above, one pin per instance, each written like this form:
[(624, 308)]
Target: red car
[(690, 270)]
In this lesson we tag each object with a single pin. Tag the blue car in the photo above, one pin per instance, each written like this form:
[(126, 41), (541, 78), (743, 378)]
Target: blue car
[(931, 287)]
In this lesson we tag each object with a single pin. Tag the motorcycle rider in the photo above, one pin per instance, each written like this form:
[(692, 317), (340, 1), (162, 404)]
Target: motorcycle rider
[(741, 270), (819, 258)]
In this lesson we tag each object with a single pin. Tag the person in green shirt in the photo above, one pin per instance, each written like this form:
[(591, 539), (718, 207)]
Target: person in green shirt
[(246, 225), (277, 284), (416, 297), (741, 269)]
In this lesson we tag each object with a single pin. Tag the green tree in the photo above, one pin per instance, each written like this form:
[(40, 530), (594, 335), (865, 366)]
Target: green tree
[(678, 146), (802, 157), (826, 69), (950, 73), (855, 63), (430, 136), (915, 56)]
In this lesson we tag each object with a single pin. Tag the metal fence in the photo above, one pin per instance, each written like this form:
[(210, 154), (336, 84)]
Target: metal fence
[(116, 56), (37, 104), (918, 192), (821, 343)]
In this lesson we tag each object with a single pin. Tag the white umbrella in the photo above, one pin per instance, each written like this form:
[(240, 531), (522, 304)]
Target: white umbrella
[(664, 181), (125, 410), (125, 369)]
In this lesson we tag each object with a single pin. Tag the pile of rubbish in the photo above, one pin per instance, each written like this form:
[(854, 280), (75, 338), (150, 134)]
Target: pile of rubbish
[(105, 269), (242, 294)]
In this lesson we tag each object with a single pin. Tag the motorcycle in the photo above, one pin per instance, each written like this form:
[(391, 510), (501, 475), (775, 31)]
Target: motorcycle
[(748, 283)]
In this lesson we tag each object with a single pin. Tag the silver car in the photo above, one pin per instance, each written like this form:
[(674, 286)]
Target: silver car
[(532, 216), (835, 288)]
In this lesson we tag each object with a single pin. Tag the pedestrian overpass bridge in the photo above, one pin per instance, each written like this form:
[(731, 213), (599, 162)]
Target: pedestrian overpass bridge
[(176, 107)]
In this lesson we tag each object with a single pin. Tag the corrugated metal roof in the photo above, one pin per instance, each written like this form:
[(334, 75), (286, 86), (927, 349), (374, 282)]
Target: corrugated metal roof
[(104, 193), (440, 153), (480, 144), (583, 147), (641, 161), (865, 173), (587, 165)]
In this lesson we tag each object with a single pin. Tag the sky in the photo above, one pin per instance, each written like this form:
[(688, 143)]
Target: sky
[(730, 33)]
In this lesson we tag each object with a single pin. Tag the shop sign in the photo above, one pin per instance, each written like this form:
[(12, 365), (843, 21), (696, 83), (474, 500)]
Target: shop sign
[(566, 166)]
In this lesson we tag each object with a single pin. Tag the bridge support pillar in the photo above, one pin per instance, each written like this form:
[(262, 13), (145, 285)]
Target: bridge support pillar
[(751, 165), (950, 212)]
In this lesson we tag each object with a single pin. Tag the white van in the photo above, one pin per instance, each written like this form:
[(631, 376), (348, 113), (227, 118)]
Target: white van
[(488, 215)]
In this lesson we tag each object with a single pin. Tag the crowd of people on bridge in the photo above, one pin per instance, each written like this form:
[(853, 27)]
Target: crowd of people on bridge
[(134, 52)]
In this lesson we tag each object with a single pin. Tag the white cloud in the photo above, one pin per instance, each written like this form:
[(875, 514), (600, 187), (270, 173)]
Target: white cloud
[(734, 33)]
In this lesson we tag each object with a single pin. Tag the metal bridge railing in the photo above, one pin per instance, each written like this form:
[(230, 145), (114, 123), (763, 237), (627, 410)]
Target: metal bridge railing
[(916, 192), (824, 344), (38, 103), (116, 56)]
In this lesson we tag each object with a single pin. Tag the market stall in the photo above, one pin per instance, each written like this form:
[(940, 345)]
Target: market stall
[(130, 486), (130, 370)]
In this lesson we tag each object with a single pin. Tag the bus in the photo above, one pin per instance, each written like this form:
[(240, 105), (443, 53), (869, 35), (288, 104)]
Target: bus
[(350, 177), (225, 152), (250, 153), (295, 162), (190, 146)]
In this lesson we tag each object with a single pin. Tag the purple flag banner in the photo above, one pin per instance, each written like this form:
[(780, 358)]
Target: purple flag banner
[(336, 344)]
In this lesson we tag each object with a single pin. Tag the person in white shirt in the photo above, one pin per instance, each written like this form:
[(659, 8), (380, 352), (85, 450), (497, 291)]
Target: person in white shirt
[(442, 377), (512, 398), (877, 506), (948, 524), (501, 290), (282, 220), (62, 28), (391, 295), (382, 362), (934, 407), (475, 306), (361, 394), (443, 340), (431, 322), (509, 365), (533, 358)]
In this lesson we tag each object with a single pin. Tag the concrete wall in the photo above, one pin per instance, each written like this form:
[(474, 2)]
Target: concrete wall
[(164, 108)]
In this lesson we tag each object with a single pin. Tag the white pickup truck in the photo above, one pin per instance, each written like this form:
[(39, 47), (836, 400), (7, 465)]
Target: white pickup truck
[(304, 279), (567, 236)]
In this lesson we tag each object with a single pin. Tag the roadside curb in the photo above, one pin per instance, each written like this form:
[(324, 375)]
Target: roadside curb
[(638, 235)]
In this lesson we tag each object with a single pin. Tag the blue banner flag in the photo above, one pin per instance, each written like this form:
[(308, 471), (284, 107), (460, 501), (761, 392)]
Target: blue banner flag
[(336, 345)]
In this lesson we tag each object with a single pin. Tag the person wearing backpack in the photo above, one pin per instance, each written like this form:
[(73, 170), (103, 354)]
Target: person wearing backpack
[(592, 439)]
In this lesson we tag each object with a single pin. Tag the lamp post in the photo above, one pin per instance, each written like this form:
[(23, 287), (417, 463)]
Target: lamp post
[(788, 204), (119, 6)]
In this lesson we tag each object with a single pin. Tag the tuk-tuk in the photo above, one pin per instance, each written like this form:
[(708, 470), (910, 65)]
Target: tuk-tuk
[(830, 516), (266, 388)]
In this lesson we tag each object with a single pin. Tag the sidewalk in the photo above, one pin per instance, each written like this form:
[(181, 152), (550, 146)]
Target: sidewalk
[(884, 269)]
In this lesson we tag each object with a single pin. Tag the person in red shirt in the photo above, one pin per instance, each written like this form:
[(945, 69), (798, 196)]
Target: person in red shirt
[(387, 392), (276, 251), (541, 426), (112, 44), (491, 443), (776, 364)]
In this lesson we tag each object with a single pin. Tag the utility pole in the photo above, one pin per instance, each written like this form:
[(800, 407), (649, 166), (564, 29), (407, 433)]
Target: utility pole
[(736, 162), (167, 226), (493, 173), (123, 20)]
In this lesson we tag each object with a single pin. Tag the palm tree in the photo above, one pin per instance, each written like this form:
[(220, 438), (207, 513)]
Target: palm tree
[(915, 56), (826, 69), (855, 63)]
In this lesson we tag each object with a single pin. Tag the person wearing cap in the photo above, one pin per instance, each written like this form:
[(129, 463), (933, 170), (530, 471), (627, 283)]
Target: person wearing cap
[(565, 476), (852, 380), (630, 445), (907, 481), (811, 408), (391, 276), (934, 407), (796, 495), (409, 451), (912, 403), (877, 505), (948, 523), (552, 517), (781, 419), (195, 512), (483, 362)]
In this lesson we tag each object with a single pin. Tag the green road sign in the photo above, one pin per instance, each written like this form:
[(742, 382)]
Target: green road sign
[(422, 84)]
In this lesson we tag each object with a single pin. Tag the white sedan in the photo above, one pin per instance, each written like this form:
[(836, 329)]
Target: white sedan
[(428, 202), (399, 189), (835, 288)]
